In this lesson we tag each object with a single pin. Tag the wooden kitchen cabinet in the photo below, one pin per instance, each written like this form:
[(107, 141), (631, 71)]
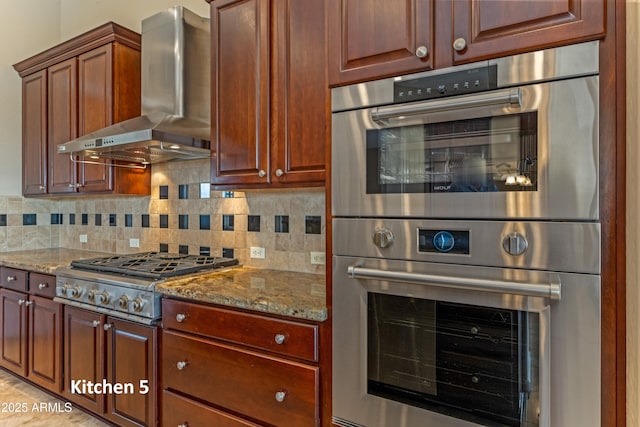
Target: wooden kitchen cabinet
[(270, 98), (74, 88), (229, 365), (31, 331), (99, 347), (372, 39), (376, 38)]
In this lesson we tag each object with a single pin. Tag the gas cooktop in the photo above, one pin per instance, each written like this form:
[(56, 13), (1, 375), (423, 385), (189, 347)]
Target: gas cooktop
[(153, 265)]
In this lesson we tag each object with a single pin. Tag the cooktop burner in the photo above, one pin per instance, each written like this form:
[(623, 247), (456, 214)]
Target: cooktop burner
[(154, 265)]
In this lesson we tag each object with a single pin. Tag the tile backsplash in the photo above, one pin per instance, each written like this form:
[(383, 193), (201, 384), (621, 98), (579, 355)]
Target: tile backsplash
[(181, 216)]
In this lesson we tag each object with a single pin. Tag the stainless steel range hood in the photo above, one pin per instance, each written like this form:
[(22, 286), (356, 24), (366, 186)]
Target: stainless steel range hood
[(175, 121)]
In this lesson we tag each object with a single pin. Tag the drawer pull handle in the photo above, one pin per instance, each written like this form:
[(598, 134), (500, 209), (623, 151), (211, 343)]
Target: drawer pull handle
[(181, 365), (180, 317), (11, 278), (279, 338), (42, 285), (280, 395)]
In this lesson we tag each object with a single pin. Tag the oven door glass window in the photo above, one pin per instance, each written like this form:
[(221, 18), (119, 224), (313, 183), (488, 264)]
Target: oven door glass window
[(487, 154), (474, 363)]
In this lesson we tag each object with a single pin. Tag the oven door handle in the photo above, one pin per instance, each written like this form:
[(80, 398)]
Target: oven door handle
[(549, 290), (511, 97)]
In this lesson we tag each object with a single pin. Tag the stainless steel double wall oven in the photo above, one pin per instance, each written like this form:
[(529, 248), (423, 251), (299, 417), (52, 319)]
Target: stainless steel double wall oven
[(466, 242)]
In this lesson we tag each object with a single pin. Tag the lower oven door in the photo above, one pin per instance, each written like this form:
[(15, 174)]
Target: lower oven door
[(418, 344)]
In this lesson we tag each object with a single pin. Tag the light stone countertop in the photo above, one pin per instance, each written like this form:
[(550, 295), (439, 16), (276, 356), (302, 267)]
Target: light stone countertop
[(286, 293), (45, 260)]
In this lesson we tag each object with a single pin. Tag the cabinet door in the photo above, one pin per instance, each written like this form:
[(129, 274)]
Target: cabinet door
[(13, 330), (300, 107), (63, 124), (95, 110), (131, 359), (45, 343), (83, 356), (34, 133), (370, 39), (491, 28), (240, 91)]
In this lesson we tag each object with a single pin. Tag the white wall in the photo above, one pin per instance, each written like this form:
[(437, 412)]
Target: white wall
[(28, 27), (633, 222)]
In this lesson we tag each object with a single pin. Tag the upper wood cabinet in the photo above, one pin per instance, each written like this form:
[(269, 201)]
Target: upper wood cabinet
[(74, 88), (376, 38), (371, 39), (270, 99)]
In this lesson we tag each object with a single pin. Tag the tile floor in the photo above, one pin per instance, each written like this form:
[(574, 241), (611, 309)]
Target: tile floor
[(21, 405)]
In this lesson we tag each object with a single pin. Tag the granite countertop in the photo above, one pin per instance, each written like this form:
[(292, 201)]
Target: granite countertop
[(45, 260), (286, 293)]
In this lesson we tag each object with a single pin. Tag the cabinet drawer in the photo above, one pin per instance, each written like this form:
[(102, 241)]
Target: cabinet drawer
[(275, 391), (42, 284), (13, 279), (178, 410), (279, 336)]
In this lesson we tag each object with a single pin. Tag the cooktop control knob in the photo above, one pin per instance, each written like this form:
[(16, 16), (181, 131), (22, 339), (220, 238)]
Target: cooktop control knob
[(92, 295), (123, 302), (515, 244), (76, 291), (383, 238), (137, 304), (62, 290), (103, 298)]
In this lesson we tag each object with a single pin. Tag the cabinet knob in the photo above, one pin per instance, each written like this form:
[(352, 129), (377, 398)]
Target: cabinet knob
[(422, 52), (181, 365), (42, 187), (28, 303), (96, 323), (42, 285), (11, 278), (280, 396), (459, 44), (20, 301), (180, 317), (262, 173), (279, 338), (279, 172), (107, 326), (183, 425), (77, 185)]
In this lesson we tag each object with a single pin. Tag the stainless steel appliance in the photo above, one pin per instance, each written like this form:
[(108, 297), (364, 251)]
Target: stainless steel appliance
[(175, 97), (124, 285), (466, 246), (514, 137)]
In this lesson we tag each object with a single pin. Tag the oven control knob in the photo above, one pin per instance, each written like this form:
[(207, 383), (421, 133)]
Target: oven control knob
[(103, 298), (515, 244), (62, 290), (123, 302), (76, 291), (137, 304), (92, 295), (383, 238)]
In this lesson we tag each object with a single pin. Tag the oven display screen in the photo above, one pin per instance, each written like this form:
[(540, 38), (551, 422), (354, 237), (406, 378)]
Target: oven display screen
[(443, 241)]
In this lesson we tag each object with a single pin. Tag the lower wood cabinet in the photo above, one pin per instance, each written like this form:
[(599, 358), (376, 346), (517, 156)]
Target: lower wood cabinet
[(31, 338), (101, 348), (224, 373)]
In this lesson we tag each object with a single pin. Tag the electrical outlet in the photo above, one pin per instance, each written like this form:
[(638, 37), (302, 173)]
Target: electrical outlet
[(134, 243), (256, 252), (317, 258), (83, 238)]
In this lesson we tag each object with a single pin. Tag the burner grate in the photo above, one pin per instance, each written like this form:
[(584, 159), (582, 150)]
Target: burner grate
[(154, 265)]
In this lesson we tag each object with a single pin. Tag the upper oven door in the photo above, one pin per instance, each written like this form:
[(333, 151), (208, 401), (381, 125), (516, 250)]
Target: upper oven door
[(520, 152)]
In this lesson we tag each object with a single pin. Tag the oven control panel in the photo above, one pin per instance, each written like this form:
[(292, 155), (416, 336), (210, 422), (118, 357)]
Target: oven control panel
[(442, 85), (443, 241)]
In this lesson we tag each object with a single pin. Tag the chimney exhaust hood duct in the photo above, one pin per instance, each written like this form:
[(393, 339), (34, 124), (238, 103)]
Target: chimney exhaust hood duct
[(175, 121)]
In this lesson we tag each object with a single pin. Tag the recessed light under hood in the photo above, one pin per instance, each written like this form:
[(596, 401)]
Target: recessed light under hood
[(175, 121)]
